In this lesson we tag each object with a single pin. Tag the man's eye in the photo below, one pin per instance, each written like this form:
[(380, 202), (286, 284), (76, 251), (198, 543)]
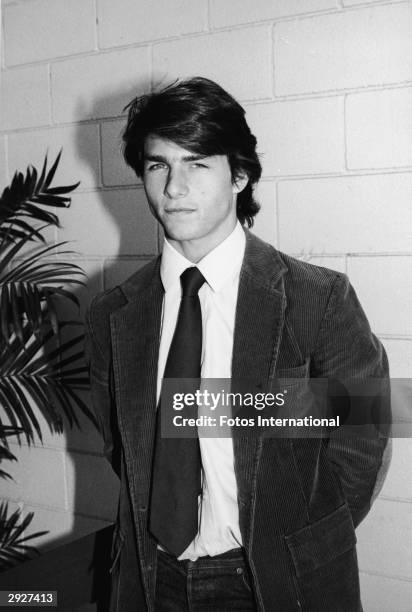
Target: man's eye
[(199, 165), (157, 166)]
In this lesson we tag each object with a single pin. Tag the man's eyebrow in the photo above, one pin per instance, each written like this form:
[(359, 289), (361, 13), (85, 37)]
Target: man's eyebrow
[(194, 157), (158, 158), (185, 158)]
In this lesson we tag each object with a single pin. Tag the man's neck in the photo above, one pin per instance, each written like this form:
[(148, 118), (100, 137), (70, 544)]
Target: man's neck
[(195, 250)]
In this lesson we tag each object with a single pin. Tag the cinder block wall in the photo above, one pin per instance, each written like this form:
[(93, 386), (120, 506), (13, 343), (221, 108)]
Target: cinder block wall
[(327, 85)]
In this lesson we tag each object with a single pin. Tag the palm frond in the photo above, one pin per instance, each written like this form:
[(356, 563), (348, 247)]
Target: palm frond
[(45, 372), (25, 197), (5, 453), (29, 288), (13, 542)]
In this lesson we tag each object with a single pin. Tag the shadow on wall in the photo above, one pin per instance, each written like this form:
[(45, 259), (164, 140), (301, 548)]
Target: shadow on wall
[(92, 485)]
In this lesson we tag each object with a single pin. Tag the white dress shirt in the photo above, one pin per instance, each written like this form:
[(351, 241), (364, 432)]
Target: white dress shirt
[(218, 509)]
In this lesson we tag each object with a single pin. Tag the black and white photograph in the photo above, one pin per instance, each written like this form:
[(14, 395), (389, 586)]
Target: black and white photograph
[(206, 305)]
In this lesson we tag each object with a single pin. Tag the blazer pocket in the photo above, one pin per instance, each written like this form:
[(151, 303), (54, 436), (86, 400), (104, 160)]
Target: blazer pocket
[(296, 372), (117, 545), (321, 542), (294, 384), (295, 378)]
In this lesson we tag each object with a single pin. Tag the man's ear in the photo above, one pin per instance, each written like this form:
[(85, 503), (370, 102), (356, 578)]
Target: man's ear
[(240, 182)]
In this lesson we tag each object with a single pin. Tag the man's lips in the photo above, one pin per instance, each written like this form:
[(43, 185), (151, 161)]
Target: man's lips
[(171, 211)]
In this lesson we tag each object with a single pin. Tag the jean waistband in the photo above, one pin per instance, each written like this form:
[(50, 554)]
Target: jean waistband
[(233, 555)]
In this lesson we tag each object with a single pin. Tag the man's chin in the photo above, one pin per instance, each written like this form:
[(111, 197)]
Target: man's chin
[(180, 233)]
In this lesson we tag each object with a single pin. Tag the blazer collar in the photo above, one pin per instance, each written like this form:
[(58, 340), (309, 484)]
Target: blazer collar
[(264, 263), (145, 279), (261, 262)]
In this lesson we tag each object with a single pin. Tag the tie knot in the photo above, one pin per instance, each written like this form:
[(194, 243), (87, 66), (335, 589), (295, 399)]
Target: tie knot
[(191, 280)]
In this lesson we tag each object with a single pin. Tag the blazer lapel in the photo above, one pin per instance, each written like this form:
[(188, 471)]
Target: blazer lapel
[(135, 336), (258, 330)]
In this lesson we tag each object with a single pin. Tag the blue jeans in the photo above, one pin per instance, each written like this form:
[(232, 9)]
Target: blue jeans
[(210, 584)]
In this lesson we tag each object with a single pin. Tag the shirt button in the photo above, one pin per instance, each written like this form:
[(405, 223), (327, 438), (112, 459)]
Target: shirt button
[(239, 570), (149, 567)]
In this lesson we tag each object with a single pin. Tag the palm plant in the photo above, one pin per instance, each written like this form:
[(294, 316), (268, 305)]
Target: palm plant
[(40, 370)]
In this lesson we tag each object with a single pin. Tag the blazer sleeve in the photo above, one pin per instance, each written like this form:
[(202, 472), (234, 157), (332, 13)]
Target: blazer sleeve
[(346, 350), (101, 383)]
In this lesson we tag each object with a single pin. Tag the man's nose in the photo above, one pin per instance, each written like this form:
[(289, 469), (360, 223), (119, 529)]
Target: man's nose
[(176, 186)]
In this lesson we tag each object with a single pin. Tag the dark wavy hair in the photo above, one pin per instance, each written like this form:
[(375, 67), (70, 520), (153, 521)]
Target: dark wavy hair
[(200, 116)]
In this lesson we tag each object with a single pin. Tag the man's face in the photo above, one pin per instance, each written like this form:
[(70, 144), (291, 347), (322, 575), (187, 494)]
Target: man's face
[(193, 197)]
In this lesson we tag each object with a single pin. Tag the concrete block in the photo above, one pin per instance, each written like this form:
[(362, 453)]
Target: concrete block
[(35, 31), (265, 221), (348, 214), (25, 100), (39, 477), (398, 484), (98, 85), (384, 540), (4, 177), (384, 287), (224, 57), (344, 50), (333, 263), (58, 524), (400, 357), (118, 270), (114, 168), (299, 137), (49, 235), (232, 12), (129, 22), (358, 2), (13, 506), (93, 487), (380, 593), (63, 527), (379, 129), (122, 224), (80, 157)]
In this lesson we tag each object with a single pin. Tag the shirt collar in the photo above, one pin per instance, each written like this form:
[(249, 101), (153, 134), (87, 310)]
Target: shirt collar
[(218, 266)]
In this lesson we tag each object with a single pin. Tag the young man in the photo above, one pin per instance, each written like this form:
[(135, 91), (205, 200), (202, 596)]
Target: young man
[(242, 522)]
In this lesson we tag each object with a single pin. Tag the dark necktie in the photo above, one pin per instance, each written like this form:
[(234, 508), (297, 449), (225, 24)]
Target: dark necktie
[(176, 475)]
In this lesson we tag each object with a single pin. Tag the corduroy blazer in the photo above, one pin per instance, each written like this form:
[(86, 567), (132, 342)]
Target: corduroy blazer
[(299, 499)]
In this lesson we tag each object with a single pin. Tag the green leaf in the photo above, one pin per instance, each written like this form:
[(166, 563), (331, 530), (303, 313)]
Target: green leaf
[(26, 405), (83, 407), (26, 196), (42, 175), (59, 190), (51, 312), (16, 312), (13, 543), (4, 314), (65, 403), (52, 170), (12, 409), (50, 200)]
